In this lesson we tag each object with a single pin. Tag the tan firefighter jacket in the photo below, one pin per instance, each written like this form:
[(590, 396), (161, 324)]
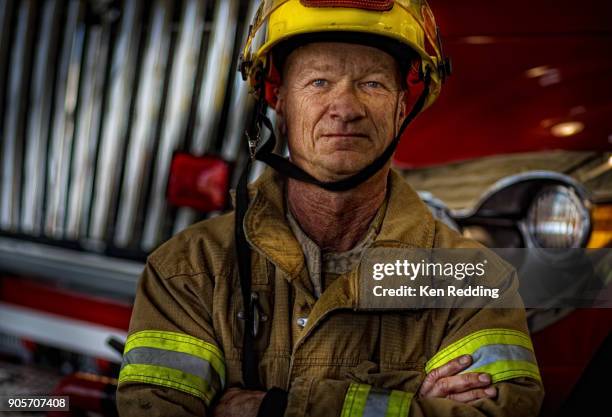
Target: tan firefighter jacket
[(184, 344)]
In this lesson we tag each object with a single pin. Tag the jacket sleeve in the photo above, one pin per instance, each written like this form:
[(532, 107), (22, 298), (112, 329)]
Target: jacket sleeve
[(316, 397), (499, 343), (172, 365), (503, 352)]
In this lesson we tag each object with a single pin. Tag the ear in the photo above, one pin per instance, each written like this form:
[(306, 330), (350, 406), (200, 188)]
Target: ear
[(402, 109), (403, 103), (280, 109), (280, 100)]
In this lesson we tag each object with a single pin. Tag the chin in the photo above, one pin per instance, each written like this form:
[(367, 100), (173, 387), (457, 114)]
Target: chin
[(337, 171)]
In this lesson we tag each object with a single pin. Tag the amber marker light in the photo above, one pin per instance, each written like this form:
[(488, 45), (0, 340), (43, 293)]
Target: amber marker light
[(565, 129), (537, 71)]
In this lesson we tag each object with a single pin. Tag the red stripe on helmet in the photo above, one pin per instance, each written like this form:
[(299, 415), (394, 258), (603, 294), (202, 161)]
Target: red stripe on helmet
[(375, 5)]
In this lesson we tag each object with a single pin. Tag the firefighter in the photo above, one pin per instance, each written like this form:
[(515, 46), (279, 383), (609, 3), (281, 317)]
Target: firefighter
[(255, 313)]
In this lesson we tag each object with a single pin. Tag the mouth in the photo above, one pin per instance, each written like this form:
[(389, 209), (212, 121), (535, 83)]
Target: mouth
[(344, 135), (344, 141)]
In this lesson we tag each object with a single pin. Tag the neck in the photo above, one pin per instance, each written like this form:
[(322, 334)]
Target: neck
[(337, 221)]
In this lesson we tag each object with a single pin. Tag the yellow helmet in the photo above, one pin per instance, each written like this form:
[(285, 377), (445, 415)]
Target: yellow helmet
[(409, 22)]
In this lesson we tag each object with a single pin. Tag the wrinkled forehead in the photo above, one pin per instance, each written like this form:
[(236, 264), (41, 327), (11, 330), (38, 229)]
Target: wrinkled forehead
[(339, 58)]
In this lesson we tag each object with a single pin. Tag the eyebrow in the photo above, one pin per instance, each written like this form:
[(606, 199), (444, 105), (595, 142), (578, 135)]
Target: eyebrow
[(323, 67)]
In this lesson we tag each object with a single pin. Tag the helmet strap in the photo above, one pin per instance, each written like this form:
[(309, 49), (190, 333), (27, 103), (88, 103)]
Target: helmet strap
[(250, 371)]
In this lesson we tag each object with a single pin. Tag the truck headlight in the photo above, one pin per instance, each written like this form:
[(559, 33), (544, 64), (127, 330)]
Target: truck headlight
[(558, 218)]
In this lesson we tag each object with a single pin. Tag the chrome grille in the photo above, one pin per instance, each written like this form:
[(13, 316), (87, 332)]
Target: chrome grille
[(96, 96)]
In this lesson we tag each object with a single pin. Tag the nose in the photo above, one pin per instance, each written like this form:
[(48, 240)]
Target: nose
[(346, 105)]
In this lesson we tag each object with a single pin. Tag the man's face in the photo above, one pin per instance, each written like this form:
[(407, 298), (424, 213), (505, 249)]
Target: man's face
[(341, 105)]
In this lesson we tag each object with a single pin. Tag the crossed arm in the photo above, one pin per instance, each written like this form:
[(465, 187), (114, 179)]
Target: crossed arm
[(442, 382)]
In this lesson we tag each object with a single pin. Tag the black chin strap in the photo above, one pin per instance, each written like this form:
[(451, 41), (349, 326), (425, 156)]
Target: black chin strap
[(250, 371)]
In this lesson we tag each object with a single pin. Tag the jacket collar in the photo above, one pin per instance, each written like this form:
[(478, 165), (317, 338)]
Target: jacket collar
[(407, 222)]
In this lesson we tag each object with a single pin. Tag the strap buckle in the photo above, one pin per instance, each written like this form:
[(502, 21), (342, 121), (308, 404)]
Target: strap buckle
[(254, 142), (257, 314)]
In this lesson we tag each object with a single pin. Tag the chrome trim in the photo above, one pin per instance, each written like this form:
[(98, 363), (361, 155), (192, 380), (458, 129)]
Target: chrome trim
[(78, 269), (144, 126), (115, 125), (213, 89), (216, 73), (515, 179), (78, 123), (582, 204), (6, 14), (39, 119), (241, 103), (176, 116), (438, 209), (13, 135), (6, 8), (62, 332), (599, 170), (185, 216), (64, 119), (88, 132)]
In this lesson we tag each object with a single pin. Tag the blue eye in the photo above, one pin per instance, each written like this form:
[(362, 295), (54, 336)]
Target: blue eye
[(319, 82), (373, 84)]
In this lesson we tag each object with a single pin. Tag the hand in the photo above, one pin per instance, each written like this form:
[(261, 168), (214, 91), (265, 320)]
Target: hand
[(237, 402), (443, 382)]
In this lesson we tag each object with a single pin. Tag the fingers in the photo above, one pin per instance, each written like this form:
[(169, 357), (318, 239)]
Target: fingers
[(237, 402), (452, 368), (459, 383), (449, 369), (234, 395), (474, 394), (230, 393)]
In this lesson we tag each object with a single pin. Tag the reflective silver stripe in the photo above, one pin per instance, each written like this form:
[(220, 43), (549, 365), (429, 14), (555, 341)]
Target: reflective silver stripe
[(176, 360), (363, 400), (494, 353), (376, 404)]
